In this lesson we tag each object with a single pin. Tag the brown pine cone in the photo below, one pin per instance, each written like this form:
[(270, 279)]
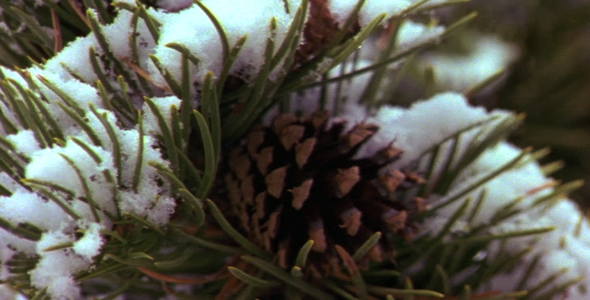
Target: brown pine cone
[(320, 29), (297, 180)]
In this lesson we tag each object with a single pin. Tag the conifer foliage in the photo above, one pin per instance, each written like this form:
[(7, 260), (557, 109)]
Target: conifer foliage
[(223, 149)]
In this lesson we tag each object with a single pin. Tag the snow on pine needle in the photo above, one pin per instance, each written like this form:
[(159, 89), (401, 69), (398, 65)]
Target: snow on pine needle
[(479, 189), (78, 158), (96, 159)]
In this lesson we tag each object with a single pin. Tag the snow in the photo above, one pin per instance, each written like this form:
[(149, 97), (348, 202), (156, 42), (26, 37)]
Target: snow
[(24, 141), (87, 166), (486, 56), (55, 268), (428, 123), (129, 162), (371, 9), (84, 93), (27, 207), (8, 182), (192, 28), (71, 58), (412, 33), (164, 105), (515, 184), (149, 203), (341, 9), (415, 129), (90, 244), (347, 93), (9, 294), (83, 171), (418, 128), (51, 165), (118, 33), (561, 251), (174, 5)]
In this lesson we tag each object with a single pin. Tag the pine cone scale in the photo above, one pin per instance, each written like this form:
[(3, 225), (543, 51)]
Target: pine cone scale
[(301, 193), (301, 183)]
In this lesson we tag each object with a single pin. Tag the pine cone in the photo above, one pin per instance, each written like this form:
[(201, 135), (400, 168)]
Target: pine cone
[(297, 180), (320, 29)]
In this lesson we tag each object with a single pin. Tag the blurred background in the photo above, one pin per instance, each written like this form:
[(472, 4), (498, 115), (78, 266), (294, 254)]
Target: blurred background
[(550, 81), (545, 47)]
